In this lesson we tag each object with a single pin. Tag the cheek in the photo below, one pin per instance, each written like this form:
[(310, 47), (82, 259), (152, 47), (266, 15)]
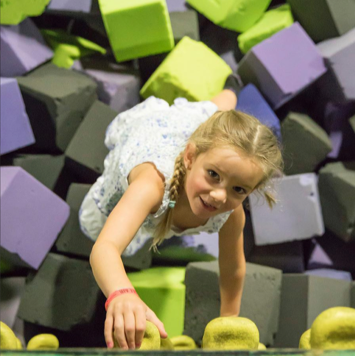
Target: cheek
[(196, 185)]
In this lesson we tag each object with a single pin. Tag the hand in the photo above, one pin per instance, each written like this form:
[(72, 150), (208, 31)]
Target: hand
[(126, 319)]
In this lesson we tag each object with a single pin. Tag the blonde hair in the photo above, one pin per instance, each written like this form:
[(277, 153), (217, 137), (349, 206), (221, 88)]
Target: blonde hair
[(230, 129)]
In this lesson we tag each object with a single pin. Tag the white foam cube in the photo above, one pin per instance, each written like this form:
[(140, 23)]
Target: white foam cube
[(297, 214)]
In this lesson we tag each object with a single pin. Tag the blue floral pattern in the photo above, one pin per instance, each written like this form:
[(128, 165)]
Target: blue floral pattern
[(152, 131)]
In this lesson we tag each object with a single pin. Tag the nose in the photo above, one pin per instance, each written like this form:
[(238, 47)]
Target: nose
[(219, 196)]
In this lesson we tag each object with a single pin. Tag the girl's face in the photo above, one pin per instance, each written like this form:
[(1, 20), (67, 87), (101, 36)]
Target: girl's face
[(219, 180)]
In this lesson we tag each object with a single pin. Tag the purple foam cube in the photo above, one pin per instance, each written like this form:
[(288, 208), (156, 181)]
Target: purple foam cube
[(69, 5), (253, 103), (16, 131), (339, 56), (282, 65), (31, 217), (176, 5), (22, 49)]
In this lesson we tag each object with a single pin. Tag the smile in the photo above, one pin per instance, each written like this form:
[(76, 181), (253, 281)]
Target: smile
[(207, 206)]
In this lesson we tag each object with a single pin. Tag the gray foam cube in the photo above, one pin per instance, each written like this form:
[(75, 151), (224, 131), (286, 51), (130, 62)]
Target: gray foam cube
[(61, 295), (260, 301), (56, 101), (330, 273), (297, 215), (339, 56), (16, 131), (315, 145), (86, 152), (337, 196), (287, 256), (352, 295), (72, 240), (31, 217), (282, 65), (117, 85), (333, 18), (45, 168), (22, 49), (11, 289), (303, 298)]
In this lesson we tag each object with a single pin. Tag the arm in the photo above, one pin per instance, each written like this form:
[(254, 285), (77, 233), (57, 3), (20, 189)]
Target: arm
[(232, 263), (126, 313)]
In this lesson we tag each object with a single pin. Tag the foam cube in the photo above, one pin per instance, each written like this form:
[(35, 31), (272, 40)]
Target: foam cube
[(287, 256), (45, 168), (337, 123), (253, 103), (315, 145), (137, 28), (352, 295), (22, 49), (271, 22), (297, 214), (191, 70), (184, 249), (282, 65), (337, 195), (14, 11), (70, 6), (303, 298), (54, 296), (330, 273), (42, 215), (117, 85), (10, 297), (56, 101), (176, 5), (16, 131), (163, 290), (339, 56), (71, 240), (85, 155), (334, 18), (203, 298), (236, 15)]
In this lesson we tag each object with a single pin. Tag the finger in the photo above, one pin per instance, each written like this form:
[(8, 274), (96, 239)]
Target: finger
[(119, 332), (140, 326), (154, 319), (130, 329), (108, 331)]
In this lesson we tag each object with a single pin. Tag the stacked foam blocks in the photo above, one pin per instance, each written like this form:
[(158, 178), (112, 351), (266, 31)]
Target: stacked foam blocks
[(58, 97)]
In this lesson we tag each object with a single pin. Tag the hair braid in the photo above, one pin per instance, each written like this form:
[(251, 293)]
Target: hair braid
[(176, 183)]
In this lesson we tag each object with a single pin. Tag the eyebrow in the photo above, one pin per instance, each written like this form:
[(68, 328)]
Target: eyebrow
[(221, 170)]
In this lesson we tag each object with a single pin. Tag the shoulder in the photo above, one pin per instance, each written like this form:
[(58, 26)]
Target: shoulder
[(235, 224), (148, 176)]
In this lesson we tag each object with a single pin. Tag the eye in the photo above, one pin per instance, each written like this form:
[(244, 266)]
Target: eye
[(213, 174), (239, 190)]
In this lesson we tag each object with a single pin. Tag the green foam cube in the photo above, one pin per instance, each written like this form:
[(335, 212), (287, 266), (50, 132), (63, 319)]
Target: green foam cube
[(237, 15), (271, 22), (15, 11), (137, 28), (163, 290), (191, 70)]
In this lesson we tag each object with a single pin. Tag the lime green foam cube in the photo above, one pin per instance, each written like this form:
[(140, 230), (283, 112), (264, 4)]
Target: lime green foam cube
[(137, 28), (12, 12), (271, 22), (237, 15), (163, 290), (191, 70)]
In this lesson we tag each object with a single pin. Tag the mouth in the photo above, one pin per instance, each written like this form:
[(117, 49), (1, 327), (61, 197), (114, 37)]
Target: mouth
[(207, 206)]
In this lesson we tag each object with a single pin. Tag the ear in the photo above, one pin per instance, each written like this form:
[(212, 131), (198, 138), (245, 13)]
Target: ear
[(189, 155)]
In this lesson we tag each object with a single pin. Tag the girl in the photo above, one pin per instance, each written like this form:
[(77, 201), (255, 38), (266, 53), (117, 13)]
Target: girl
[(143, 193)]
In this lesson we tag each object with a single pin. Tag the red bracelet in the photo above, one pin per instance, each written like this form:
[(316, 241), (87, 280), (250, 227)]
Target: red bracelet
[(118, 292)]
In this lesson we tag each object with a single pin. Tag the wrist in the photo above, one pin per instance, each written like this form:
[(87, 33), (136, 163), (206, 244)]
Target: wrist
[(118, 292)]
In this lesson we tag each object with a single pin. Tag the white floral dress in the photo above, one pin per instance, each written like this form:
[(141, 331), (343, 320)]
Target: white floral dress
[(152, 131)]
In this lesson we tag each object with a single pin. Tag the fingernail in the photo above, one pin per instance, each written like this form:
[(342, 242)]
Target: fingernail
[(110, 345), (138, 346)]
